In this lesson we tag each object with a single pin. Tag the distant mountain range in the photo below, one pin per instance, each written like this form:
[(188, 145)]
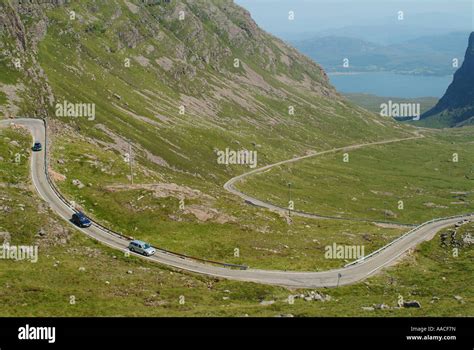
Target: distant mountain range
[(391, 31), (456, 107), (426, 55)]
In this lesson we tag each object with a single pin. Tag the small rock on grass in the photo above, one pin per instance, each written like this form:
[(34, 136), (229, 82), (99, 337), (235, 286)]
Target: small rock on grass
[(412, 304), (381, 306)]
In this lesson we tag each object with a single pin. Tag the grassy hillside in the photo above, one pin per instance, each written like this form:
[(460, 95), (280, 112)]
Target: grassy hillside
[(175, 90), (211, 224), (421, 173), (372, 103), (190, 63), (82, 278)]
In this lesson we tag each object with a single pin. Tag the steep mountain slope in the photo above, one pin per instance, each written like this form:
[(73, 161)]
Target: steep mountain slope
[(179, 80), (456, 107)]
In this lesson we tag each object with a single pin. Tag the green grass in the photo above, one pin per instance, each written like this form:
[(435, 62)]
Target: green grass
[(91, 70), (372, 103), (420, 173), (3, 98), (72, 265), (95, 71), (14, 147), (8, 74), (152, 290), (442, 120), (264, 239)]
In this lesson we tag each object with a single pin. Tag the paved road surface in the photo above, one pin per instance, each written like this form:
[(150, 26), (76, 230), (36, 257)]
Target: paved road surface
[(330, 278)]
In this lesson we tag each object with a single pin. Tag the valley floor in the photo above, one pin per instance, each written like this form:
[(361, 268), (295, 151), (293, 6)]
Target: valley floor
[(81, 278), (408, 182)]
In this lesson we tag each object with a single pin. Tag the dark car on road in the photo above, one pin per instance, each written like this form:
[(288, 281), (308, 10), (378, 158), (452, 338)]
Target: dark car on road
[(37, 147), (81, 220)]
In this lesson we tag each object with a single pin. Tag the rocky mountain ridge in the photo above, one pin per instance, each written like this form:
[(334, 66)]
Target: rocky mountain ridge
[(456, 107)]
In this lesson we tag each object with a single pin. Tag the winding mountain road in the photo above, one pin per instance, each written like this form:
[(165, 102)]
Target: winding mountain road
[(229, 185), (343, 276)]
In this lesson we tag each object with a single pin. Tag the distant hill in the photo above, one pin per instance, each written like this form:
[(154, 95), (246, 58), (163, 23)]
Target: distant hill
[(456, 107), (426, 55), (372, 103), (331, 50)]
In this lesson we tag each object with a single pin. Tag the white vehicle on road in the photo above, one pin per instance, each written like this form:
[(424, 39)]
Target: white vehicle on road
[(141, 247)]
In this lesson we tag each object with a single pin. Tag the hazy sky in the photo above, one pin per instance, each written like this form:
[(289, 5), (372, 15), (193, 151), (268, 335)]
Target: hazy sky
[(312, 16)]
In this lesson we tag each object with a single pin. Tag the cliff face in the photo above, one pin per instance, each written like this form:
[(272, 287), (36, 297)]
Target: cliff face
[(457, 105), (22, 80)]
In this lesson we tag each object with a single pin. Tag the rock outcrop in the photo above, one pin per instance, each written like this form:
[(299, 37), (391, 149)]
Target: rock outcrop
[(456, 107)]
